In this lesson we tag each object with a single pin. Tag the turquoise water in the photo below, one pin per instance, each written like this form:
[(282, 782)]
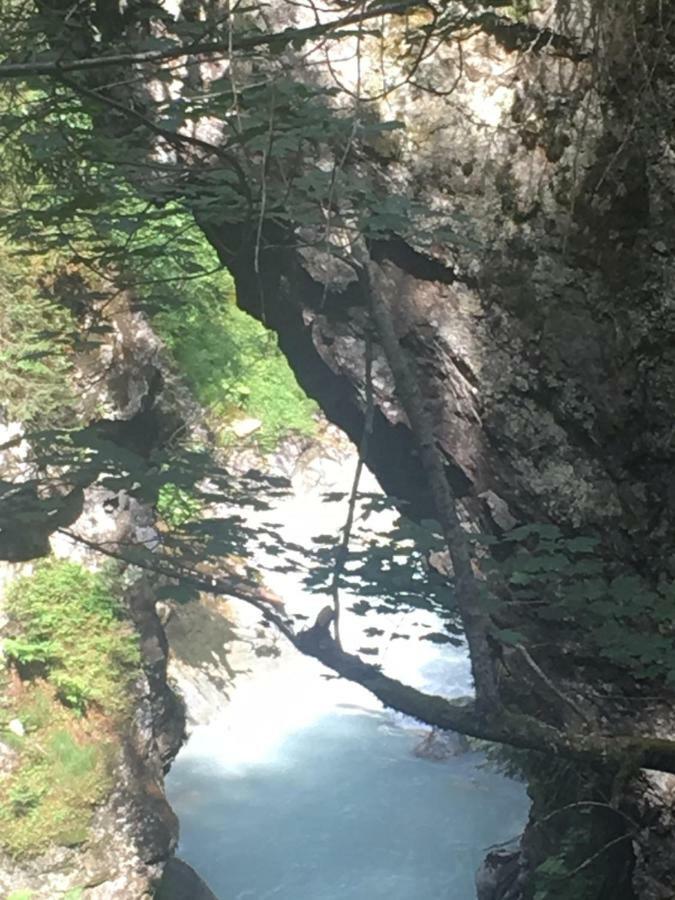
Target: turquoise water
[(303, 788), (341, 810)]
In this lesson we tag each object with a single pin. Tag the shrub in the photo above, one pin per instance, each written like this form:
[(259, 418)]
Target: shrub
[(68, 627)]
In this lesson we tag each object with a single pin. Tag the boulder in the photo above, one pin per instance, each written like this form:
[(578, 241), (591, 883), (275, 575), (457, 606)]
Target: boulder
[(181, 882)]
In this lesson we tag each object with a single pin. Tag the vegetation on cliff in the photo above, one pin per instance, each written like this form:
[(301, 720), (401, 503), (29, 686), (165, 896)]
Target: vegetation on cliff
[(35, 341), (231, 361), (71, 659)]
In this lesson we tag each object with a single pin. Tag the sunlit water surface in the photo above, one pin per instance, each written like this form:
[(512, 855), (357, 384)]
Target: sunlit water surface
[(303, 788), (342, 811)]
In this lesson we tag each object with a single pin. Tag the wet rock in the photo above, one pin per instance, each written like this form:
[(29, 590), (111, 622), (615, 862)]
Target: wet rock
[(500, 876), (441, 745), (181, 882)]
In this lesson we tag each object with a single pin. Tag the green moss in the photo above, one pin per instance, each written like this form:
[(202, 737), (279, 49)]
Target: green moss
[(520, 10)]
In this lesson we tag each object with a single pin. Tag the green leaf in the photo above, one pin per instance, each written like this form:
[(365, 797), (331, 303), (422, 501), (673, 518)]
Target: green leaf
[(508, 636)]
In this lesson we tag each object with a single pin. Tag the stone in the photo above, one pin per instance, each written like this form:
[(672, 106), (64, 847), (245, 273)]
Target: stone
[(498, 876), (499, 510), (181, 882), (16, 727), (441, 745), (164, 611), (244, 427)]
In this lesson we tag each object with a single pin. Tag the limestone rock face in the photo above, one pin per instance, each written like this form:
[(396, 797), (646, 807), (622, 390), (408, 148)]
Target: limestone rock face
[(541, 332)]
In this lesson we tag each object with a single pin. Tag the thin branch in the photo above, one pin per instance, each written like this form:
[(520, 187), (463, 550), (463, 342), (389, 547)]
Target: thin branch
[(281, 39), (591, 859), (583, 804), (241, 588), (174, 138), (342, 551), (513, 36), (476, 623), (539, 672)]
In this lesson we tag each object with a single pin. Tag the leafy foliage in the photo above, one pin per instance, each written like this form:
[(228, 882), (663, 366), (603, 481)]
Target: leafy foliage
[(386, 566), (35, 344), (611, 610), (176, 506)]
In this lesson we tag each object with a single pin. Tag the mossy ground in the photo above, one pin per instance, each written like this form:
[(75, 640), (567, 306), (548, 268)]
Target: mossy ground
[(63, 767)]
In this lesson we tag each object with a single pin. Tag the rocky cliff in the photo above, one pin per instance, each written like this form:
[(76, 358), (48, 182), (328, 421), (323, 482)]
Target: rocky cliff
[(540, 332), (124, 840)]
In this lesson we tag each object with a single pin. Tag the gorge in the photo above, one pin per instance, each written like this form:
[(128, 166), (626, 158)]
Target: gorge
[(457, 218)]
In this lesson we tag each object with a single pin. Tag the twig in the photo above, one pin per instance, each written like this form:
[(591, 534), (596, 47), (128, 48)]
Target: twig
[(174, 138), (342, 551), (296, 36), (238, 587), (549, 684), (475, 622), (580, 804), (591, 859)]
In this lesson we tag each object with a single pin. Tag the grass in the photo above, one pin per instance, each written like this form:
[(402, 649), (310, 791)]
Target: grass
[(71, 662)]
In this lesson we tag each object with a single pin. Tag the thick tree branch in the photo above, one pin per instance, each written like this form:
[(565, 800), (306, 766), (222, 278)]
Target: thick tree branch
[(496, 726), (476, 623), (517, 730), (281, 39), (513, 36)]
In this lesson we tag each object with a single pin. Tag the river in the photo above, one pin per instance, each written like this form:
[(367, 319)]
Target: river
[(301, 787)]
